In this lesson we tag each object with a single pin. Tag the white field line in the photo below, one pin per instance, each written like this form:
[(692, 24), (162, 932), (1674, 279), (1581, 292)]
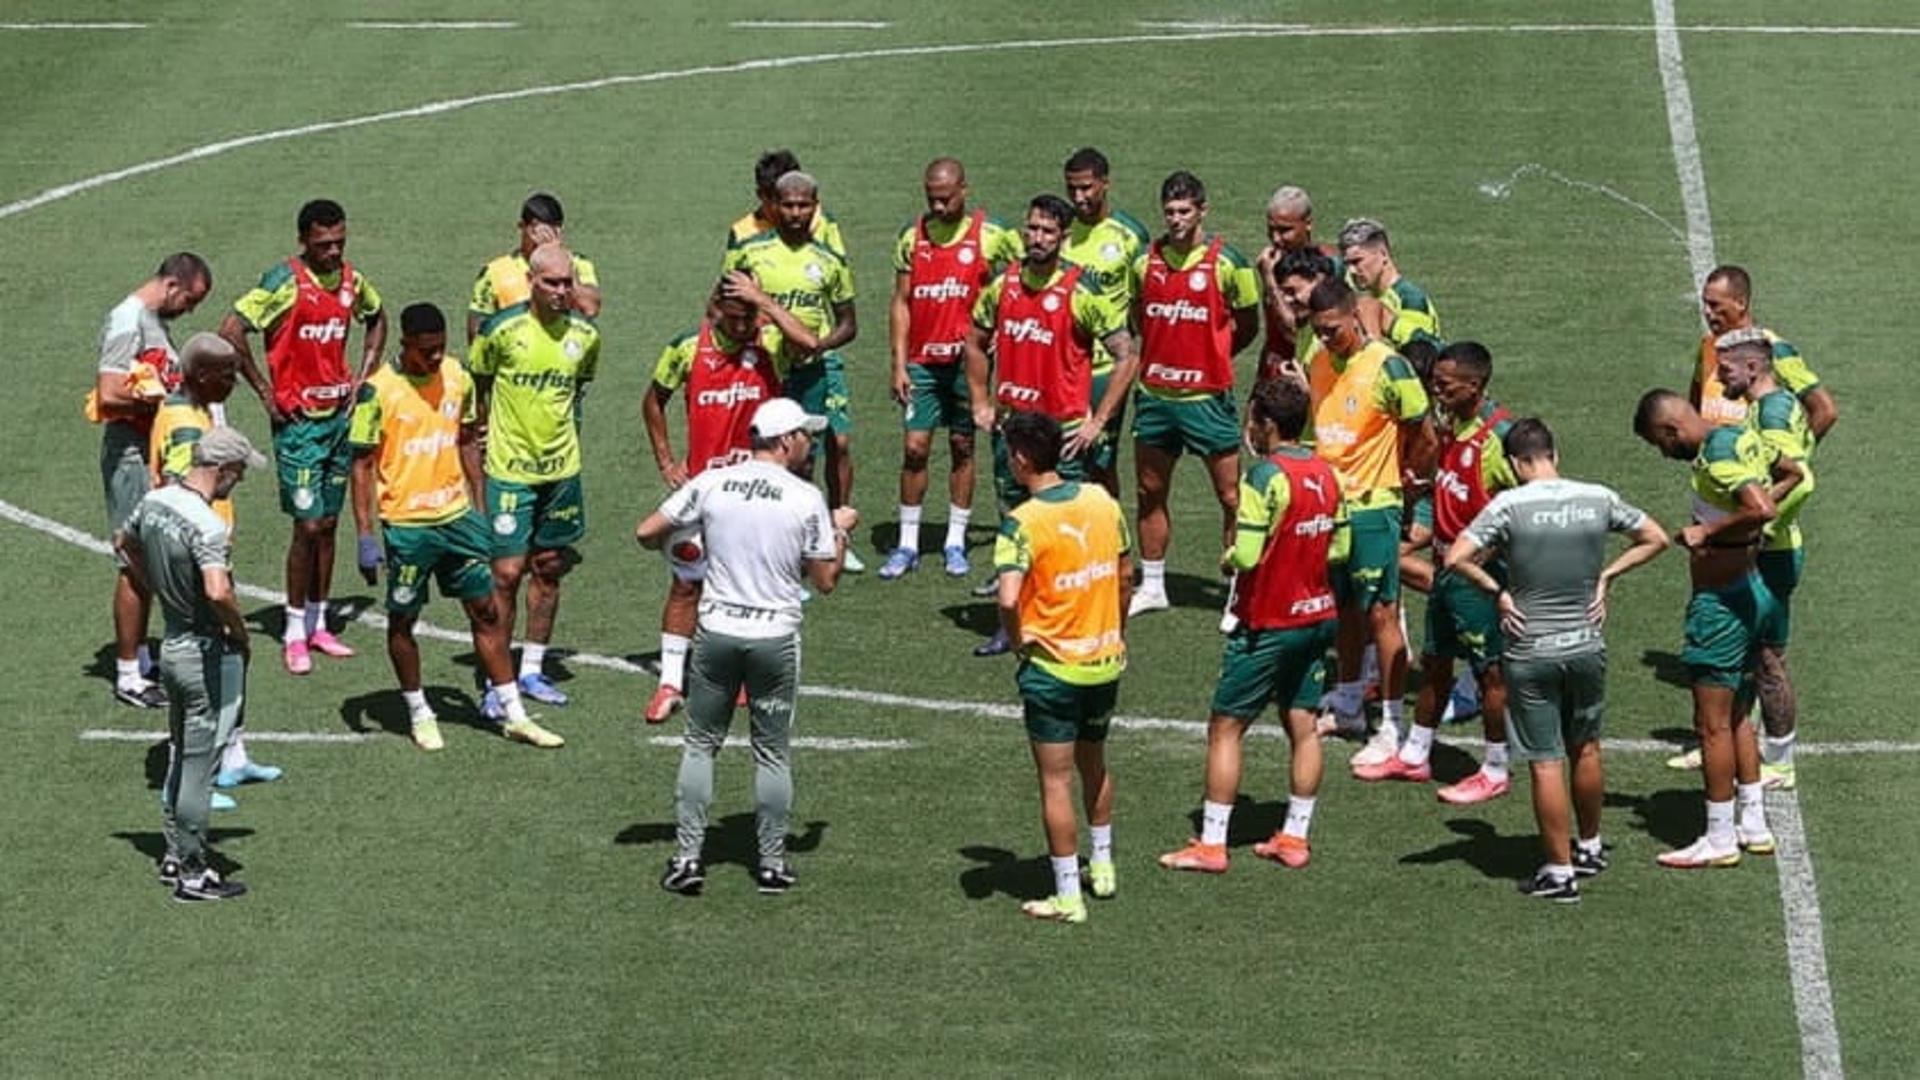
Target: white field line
[(433, 24), (1416, 30), (803, 742), (992, 710), (73, 26), (1799, 890), (124, 735), (809, 24)]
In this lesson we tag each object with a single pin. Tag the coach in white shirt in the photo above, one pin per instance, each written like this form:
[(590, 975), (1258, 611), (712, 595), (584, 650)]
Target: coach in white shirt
[(763, 528)]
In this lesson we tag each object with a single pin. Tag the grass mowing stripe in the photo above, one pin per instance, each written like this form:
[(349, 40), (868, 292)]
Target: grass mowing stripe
[(1799, 892)]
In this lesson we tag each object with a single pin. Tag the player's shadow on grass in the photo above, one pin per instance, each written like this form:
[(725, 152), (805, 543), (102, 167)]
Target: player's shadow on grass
[(979, 618), (1667, 667), (555, 667), (1001, 871), (1251, 823), (1673, 816), (153, 845), (733, 839), (386, 711), (102, 665), (1482, 847), (1193, 591)]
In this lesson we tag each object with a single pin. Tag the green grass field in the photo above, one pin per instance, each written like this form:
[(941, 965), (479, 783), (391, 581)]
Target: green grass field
[(493, 910)]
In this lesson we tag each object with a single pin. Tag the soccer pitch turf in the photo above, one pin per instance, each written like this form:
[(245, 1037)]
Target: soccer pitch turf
[(493, 910)]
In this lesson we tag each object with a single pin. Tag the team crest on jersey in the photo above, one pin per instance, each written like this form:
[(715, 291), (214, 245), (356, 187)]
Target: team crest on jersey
[(404, 594), (815, 274), (573, 349), (1051, 301), (1353, 404), (1109, 251), (345, 296), (450, 409), (1466, 457), (966, 256), (1197, 281), (303, 498), (504, 524)]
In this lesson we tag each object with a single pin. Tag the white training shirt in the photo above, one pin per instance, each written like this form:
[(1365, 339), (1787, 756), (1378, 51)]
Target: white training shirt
[(132, 332), (759, 522)]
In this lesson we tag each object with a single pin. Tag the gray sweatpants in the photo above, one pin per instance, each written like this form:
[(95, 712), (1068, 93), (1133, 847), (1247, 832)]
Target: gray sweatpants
[(769, 668), (206, 688)]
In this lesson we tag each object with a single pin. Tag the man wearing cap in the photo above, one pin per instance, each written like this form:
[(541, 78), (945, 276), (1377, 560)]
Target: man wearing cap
[(136, 369), (764, 529), (209, 367), (503, 282), (179, 550)]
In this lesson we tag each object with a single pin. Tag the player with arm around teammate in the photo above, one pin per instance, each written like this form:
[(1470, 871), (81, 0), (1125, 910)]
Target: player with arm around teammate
[(765, 528), (727, 374), (417, 476), (1552, 534), (1291, 529)]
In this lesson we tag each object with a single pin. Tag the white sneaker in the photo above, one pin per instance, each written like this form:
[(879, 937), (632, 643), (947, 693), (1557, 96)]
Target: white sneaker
[(1145, 600), (1382, 746), (1685, 761), (1700, 854), (1757, 841), (852, 564)]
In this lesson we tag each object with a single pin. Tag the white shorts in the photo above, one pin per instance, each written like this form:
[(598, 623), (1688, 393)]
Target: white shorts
[(687, 555)]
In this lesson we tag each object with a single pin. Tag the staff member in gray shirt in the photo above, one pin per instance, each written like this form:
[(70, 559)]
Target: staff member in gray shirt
[(180, 551), (1553, 533)]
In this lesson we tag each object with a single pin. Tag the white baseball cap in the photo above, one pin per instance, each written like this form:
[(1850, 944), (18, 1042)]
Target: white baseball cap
[(779, 416)]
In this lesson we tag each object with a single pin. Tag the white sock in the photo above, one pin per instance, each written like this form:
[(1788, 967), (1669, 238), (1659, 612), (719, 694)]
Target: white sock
[(316, 616), (235, 754), (909, 528), (1066, 876), (673, 660), (1589, 847), (416, 702), (532, 656), (510, 703), (1496, 766), (296, 625), (1102, 842), (144, 657), (1720, 823), (1418, 747), (1558, 871), (1752, 801), (1299, 816), (957, 518), (1213, 821), (1390, 715), (1777, 751), (127, 676), (1153, 575)]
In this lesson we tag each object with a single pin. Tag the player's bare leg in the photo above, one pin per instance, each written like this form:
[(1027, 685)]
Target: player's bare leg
[(960, 451), (546, 567), (1055, 763), (678, 619), (1382, 628), (840, 486), (131, 610), (1153, 476), (916, 450), (1779, 713), (1727, 768), (1289, 846), (502, 699), (1207, 853)]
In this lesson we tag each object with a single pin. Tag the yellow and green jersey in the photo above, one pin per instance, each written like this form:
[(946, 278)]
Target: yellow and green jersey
[(1789, 367), (999, 245), (825, 231), (412, 424), (1105, 250), (538, 372), (263, 306), (1781, 421), (505, 282), (177, 426), (809, 281), (1411, 313), (1730, 458)]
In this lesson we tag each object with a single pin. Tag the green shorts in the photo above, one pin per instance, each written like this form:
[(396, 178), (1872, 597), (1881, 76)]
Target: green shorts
[(458, 554), (1058, 711), (1554, 702), (1105, 455), (1725, 627), (939, 399), (313, 460), (1371, 574), (125, 474), (1208, 426), (1009, 491), (821, 389), (1287, 668), (1463, 622), (540, 517), (1781, 571)]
